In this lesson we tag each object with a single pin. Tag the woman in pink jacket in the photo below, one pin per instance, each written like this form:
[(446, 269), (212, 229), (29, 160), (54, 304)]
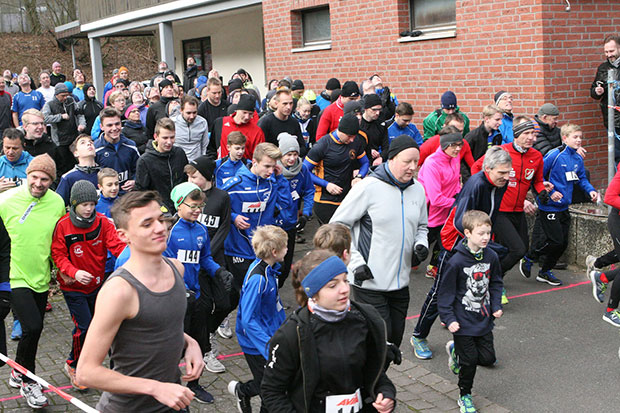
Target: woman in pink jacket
[(441, 177)]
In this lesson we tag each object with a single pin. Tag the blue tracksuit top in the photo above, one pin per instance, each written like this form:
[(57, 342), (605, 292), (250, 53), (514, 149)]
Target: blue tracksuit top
[(17, 170), (506, 129), (302, 188), (254, 198), (225, 168), (121, 157), (189, 243), (69, 178), (103, 206), (395, 131), (563, 168), (260, 311)]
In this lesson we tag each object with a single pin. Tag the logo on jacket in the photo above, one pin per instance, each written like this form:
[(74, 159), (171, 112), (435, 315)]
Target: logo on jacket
[(529, 174), (200, 241), (352, 154), (253, 207), (477, 295), (77, 250)]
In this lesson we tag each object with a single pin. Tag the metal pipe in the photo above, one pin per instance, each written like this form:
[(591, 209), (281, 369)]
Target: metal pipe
[(611, 130)]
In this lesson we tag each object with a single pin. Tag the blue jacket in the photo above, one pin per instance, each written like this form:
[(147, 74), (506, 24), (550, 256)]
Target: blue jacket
[(322, 102), (103, 207), (506, 129), (302, 188), (121, 157), (254, 198), (395, 131), (563, 168), (260, 311), (17, 169), (226, 169), (470, 291), (76, 174), (189, 243)]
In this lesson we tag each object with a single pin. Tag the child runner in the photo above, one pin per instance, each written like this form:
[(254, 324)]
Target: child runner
[(227, 167), (108, 185), (84, 151), (260, 311), (469, 300)]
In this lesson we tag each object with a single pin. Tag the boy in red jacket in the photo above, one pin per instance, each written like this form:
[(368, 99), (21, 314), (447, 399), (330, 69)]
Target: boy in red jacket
[(80, 244)]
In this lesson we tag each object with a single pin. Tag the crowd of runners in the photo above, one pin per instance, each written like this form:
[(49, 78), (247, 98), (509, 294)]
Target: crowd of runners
[(176, 204)]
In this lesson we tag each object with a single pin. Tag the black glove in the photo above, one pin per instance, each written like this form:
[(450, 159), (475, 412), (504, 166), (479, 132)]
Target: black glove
[(543, 196), (301, 222), (226, 277), (361, 274), (421, 252), (393, 355)]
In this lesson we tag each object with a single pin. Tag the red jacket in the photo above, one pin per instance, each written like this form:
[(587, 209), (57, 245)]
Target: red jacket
[(330, 119), (253, 134), (85, 249), (430, 146), (612, 195), (527, 170)]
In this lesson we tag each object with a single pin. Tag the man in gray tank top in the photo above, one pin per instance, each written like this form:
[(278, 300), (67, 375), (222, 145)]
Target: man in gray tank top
[(139, 316)]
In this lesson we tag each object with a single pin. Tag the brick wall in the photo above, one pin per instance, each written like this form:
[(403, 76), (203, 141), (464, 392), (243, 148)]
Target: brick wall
[(532, 48)]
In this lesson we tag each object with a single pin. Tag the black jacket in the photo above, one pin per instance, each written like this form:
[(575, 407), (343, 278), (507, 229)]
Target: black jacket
[(377, 135), (601, 76), (5, 111), (478, 140), (216, 217), (36, 147), (90, 108), (211, 113), (155, 112), (161, 171), (291, 375), (547, 138), (137, 133), (189, 75)]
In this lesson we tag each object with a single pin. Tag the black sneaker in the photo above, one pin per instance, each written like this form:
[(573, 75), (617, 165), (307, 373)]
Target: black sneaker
[(200, 394), (549, 278), (560, 265), (525, 267), (243, 402)]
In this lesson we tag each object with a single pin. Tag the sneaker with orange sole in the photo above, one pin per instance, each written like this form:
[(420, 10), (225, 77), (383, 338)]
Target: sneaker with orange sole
[(71, 373)]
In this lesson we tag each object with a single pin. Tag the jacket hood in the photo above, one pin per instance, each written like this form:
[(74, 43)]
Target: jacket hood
[(133, 125), (24, 158), (381, 173), (150, 149)]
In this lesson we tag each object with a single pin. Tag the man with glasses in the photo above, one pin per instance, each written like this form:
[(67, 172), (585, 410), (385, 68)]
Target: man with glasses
[(161, 167), (36, 141)]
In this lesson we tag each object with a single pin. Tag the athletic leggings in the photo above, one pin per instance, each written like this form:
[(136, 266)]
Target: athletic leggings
[(510, 229), (29, 306), (613, 224)]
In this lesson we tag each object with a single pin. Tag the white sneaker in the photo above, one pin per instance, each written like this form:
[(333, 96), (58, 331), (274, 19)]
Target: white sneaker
[(15, 379), (590, 260), (33, 395), (212, 364), (224, 329)]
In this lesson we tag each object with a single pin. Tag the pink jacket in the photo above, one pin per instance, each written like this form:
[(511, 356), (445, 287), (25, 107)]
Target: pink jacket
[(441, 177)]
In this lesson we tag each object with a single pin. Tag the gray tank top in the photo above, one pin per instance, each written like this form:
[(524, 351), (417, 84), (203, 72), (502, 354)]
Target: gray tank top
[(149, 345)]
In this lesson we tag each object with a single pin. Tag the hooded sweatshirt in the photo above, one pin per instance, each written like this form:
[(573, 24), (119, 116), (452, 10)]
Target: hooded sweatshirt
[(193, 137), (441, 177)]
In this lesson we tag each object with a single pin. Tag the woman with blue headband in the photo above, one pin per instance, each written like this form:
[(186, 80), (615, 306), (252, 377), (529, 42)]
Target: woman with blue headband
[(331, 351)]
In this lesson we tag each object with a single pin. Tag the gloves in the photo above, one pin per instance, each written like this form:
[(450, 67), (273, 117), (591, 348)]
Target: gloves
[(421, 252), (393, 355), (301, 222), (543, 196), (226, 277), (361, 274)]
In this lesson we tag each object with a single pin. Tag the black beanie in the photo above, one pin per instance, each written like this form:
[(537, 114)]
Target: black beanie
[(246, 102), (297, 85), (350, 89), (401, 143), (234, 85), (371, 100), (205, 166), (353, 106), (164, 83), (450, 138), (332, 84), (349, 124)]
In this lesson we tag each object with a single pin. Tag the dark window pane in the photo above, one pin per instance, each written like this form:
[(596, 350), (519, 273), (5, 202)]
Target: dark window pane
[(428, 13), (316, 27), (200, 50)]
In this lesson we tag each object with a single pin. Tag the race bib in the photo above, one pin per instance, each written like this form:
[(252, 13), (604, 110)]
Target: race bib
[(571, 176), (294, 195), (253, 207), (209, 221), (188, 256), (123, 176), (344, 403)]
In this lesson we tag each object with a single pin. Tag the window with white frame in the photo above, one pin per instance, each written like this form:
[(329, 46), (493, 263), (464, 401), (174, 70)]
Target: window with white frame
[(316, 29), (429, 14)]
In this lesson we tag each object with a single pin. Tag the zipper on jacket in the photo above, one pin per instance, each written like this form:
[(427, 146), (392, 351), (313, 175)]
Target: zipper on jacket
[(402, 242), (383, 355), (301, 362)]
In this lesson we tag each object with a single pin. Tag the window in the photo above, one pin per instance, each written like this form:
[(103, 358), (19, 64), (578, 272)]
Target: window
[(432, 13), (200, 50), (316, 27)]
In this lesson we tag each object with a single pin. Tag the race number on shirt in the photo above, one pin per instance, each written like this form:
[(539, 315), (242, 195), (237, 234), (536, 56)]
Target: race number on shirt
[(188, 256), (571, 176), (344, 403), (123, 176), (294, 195), (209, 221)]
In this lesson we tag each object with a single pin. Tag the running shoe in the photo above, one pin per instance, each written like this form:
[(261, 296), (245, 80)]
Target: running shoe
[(224, 329), (466, 404), (16, 331), (453, 363), (15, 379), (590, 260), (598, 286), (71, 373), (612, 317), (33, 394), (243, 402), (525, 267), (420, 348), (200, 394), (212, 364), (504, 297), (549, 278)]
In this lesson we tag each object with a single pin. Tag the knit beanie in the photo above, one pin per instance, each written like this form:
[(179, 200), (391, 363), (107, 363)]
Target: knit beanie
[(83, 191), (164, 83), (246, 102), (499, 95), (448, 100), (181, 191), (400, 143), (350, 89), (332, 84), (287, 143), (353, 106), (310, 96), (43, 163), (205, 166), (349, 124), (450, 138), (297, 85), (322, 274), (548, 109), (60, 88), (371, 100), (129, 109), (517, 130)]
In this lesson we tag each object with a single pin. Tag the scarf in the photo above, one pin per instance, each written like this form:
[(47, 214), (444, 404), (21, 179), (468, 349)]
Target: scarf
[(293, 171), (80, 222), (329, 316)]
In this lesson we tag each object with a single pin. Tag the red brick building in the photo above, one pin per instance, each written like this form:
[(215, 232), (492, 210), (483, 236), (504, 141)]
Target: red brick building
[(534, 49)]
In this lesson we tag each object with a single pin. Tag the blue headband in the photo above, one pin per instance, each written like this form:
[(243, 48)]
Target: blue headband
[(322, 274)]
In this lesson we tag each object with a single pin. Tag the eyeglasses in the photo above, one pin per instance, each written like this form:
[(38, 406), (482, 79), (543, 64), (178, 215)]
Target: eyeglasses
[(193, 207), (35, 123), (456, 145)]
